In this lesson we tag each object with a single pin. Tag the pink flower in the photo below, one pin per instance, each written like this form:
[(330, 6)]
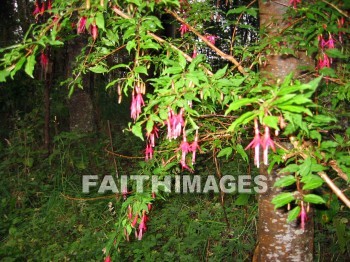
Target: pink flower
[(94, 30), (37, 8), (294, 3), (324, 62), (108, 259), (125, 193), (330, 42), (134, 222), (303, 216), (42, 10), (322, 41), (142, 226), (136, 103), (175, 123), (148, 152), (211, 38), (152, 135), (44, 61), (193, 147), (266, 143), (185, 148), (81, 24), (256, 143), (49, 5), (183, 29)]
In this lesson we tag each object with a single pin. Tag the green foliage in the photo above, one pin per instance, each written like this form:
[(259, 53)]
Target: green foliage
[(215, 103)]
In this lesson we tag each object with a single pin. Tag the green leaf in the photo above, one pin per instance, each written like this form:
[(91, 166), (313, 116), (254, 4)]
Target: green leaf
[(182, 61), (335, 53), (149, 126), (311, 182), (285, 181), (242, 200), (141, 70), (137, 130), (293, 214), (221, 72), (240, 150), (291, 168), (3, 74), (328, 144), (305, 167), (295, 109), (271, 121), (243, 119), (239, 103), (282, 199), (98, 69), (227, 151), (314, 199), (100, 21), (29, 68), (130, 45), (173, 70)]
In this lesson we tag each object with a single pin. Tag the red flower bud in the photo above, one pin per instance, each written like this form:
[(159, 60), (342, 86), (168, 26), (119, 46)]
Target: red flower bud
[(94, 31)]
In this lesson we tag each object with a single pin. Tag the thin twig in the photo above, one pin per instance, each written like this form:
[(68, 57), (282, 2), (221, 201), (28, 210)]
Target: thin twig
[(336, 8), (208, 43)]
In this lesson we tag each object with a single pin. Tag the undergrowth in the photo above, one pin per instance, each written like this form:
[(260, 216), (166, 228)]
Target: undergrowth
[(46, 217)]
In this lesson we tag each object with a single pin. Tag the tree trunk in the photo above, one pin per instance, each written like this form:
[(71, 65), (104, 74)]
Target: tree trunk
[(279, 240), (81, 111)]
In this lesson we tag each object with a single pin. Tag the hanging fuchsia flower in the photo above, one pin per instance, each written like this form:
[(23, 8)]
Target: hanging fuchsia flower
[(152, 135), (37, 8), (185, 148), (183, 29), (294, 3), (44, 61), (108, 259), (134, 222), (148, 152), (266, 143), (324, 61), (49, 5), (330, 42), (81, 25), (136, 103), (42, 10), (303, 216), (322, 42), (211, 38), (193, 147), (256, 143), (175, 122), (142, 226), (94, 30)]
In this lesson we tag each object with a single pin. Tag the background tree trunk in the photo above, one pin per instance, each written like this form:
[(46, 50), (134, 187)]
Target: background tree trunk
[(81, 111), (279, 240)]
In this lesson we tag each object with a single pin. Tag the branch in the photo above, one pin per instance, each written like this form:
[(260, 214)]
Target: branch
[(205, 40), (336, 8)]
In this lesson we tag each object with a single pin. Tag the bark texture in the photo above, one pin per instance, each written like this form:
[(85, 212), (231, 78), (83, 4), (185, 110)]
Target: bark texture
[(81, 111), (279, 240)]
